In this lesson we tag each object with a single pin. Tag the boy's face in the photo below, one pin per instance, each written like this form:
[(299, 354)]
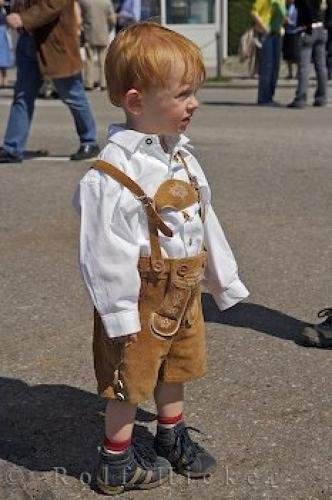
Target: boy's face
[(167, 110)]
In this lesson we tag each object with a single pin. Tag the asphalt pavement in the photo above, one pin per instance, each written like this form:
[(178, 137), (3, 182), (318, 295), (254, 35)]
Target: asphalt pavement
[(265, 404)]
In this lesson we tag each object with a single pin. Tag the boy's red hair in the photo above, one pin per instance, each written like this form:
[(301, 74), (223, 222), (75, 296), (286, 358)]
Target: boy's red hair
[(141, 57)]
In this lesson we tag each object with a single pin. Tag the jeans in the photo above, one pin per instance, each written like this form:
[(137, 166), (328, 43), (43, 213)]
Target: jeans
[(269, 62), (28, 83), (312, 48)]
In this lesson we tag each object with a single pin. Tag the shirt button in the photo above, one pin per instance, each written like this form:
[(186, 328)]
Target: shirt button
[(148, 141)]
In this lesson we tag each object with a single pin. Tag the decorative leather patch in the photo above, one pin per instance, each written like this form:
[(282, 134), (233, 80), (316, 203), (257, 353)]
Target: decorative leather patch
[(163, 326), (175, 194)]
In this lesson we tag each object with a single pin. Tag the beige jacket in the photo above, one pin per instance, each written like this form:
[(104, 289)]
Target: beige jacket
[(98, 20)]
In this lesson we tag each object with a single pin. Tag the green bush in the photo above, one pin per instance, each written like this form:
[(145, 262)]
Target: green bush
[(239, 19)]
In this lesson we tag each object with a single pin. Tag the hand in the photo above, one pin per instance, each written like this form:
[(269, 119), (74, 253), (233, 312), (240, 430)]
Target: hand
[(14, 21), (127, 338)]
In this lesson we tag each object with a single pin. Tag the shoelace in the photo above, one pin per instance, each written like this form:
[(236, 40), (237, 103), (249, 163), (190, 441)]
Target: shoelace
[(145, 455), (189, 448), (326, 313)]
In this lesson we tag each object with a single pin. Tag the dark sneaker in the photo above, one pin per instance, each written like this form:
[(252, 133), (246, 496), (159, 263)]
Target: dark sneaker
[(6, 157), (186, 456), (138, 468), (86, 152), (297, 104), (318, 335)]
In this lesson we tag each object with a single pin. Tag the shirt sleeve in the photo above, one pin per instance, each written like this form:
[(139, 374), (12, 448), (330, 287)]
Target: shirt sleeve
[(109, 254), (221, 274)]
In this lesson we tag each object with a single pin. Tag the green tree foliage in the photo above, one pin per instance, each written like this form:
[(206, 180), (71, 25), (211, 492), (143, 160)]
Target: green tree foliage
[(239, 20)]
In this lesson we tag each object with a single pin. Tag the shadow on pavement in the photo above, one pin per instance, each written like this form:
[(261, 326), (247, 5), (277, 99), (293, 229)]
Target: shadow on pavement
[(254, 316), (45, 427), (55, 427)]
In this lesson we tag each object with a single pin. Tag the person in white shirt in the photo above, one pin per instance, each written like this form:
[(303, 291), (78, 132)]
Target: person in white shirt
[(149, 237)]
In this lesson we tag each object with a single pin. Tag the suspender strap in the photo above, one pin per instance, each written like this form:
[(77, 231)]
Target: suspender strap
[(153, 217), (192, 178)]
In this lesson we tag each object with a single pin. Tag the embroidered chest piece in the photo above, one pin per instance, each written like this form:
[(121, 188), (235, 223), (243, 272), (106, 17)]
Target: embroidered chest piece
[(176, 195)]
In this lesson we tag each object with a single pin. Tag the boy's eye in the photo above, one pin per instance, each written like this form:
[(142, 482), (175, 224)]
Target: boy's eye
[(186, 93)]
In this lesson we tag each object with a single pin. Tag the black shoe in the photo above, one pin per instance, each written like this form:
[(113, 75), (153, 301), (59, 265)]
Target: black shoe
[(319, 103), (186, 456), (318, 335), (85, 152), (138, 468), (297, 104), (271, 104), (6, 157)]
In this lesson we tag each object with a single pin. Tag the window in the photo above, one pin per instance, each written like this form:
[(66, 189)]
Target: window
[(190, 11)]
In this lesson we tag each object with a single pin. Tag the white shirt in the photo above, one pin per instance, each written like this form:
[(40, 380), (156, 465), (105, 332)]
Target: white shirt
[(114, 232)]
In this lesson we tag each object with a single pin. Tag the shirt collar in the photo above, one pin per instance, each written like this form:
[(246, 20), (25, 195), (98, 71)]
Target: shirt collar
[(131, 140)]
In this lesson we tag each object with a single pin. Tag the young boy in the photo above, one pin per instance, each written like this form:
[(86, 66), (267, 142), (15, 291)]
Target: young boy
[(148, 235)]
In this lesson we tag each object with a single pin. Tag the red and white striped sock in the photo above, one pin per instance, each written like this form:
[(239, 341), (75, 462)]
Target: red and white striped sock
[(116, 447), (169, 422)]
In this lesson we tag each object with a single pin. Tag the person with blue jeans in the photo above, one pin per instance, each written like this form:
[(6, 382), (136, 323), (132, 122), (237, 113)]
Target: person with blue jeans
[(33, 56), (269, 16), (312, 42)]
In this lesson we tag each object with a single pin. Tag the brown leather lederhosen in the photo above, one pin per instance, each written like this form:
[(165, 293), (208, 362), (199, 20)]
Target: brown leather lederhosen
[(171, 343)]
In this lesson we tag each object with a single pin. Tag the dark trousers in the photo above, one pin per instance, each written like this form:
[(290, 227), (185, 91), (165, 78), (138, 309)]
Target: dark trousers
[(269, 62), (329, 53)]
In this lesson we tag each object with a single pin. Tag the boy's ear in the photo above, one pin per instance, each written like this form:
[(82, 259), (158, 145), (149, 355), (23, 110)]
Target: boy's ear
[(132, 101)]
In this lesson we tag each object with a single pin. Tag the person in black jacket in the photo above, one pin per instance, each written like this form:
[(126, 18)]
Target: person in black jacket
[(312, 41)]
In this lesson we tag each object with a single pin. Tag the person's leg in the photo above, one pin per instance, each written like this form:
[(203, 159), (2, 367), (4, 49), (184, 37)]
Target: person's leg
[(119, 420), (28, 82), (89, 78), (265, 70), (173, 441), (71, 91), (169, 399), (101, 54), (126, 465), (290, 70), (276, 52), (329, 54), (3, 72), (319, 59), (304, 64)]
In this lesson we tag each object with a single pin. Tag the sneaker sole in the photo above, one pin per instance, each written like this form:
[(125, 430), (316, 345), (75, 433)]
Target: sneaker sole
[(195, 475), (116, 490)]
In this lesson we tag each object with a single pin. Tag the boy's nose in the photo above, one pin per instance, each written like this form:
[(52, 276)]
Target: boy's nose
[(193, 103)]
